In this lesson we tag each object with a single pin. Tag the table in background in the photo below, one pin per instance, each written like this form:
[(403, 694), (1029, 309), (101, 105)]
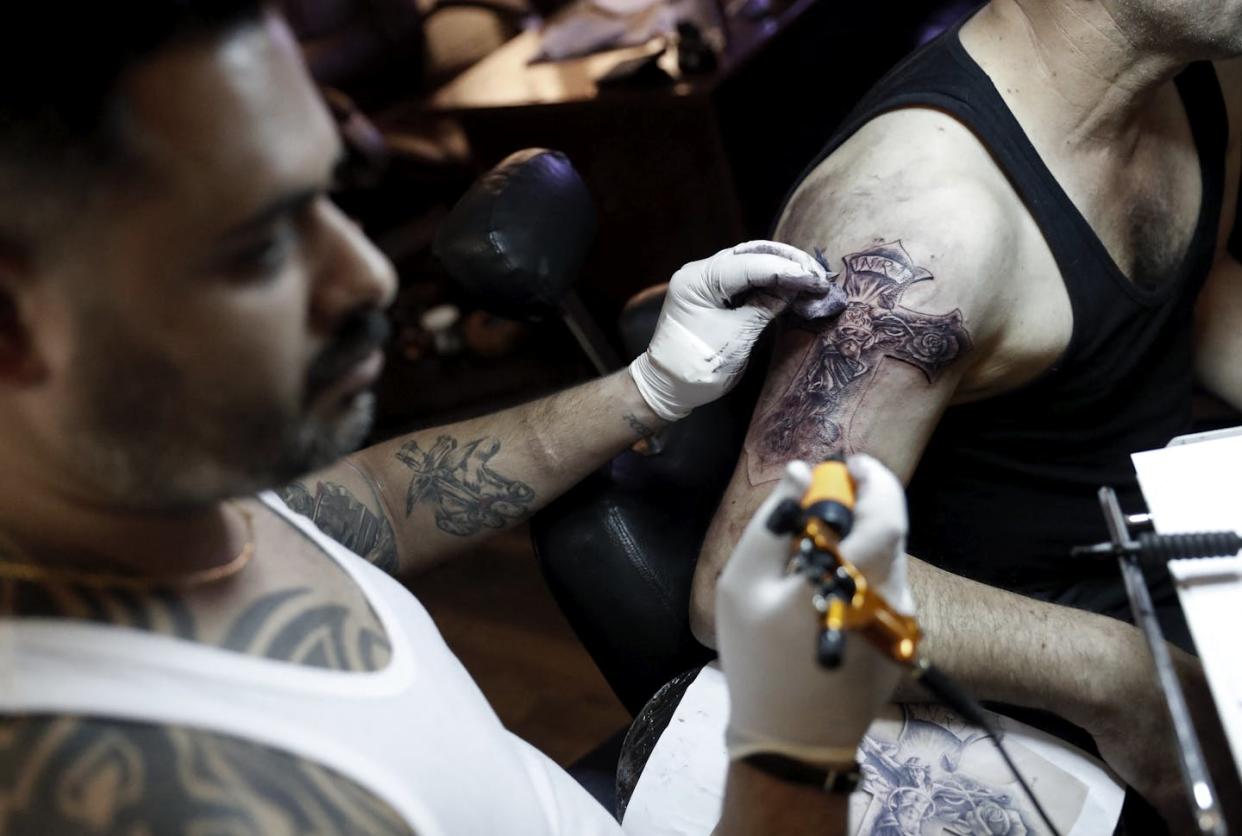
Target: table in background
[(681, 170)]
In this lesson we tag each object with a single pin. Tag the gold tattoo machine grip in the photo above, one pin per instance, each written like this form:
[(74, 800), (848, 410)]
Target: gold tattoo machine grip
[(844, 599)]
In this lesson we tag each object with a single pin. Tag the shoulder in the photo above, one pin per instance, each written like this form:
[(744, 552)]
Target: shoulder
[(923, 179), (83, 775)]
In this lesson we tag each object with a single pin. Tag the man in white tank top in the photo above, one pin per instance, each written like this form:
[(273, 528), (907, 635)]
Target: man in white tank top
[(186, 318)]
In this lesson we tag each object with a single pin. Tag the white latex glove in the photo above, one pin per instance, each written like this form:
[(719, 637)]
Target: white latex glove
[(782, 701), (714, 312)]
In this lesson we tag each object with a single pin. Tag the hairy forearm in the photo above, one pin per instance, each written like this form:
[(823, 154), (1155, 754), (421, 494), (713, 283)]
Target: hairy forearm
[(1092, 670), (756, 804), (447, 487), (1009, 648), (1006, 647)]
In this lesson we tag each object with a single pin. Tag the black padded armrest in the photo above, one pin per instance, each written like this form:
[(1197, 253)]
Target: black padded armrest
[(517, 239)]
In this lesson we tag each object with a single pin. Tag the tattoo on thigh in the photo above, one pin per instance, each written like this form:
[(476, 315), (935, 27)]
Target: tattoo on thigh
[(344, 518), (467, 495), (808, 419), (69, 775)]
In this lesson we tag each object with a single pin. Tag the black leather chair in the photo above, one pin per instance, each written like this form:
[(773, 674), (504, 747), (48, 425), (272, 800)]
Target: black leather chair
[(516, 241)]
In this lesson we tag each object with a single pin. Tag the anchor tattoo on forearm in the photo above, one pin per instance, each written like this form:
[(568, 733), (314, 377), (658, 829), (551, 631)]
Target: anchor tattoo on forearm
[(806, 420)]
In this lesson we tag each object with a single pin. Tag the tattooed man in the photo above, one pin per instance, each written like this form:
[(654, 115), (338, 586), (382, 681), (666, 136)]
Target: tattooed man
[(1029, 216), (186, 321)]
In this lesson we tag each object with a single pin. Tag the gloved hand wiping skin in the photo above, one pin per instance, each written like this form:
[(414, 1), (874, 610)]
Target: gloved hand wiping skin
[(782, 700), (714, 312)]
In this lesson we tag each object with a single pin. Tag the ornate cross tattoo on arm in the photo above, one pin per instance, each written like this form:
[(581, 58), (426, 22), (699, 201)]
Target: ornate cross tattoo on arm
[(808, 419)]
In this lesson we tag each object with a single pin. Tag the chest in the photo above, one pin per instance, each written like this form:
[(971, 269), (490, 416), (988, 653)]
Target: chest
[(1141, 210), (1144, 208)]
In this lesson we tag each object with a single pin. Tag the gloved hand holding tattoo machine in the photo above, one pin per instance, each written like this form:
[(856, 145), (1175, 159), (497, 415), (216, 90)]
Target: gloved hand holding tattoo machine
[(782, 700), (799, 707)]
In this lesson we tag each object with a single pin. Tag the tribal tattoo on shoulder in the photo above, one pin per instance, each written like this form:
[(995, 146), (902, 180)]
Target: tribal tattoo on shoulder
[(301, 625), (78, 775), (456, 480), (808, 420)]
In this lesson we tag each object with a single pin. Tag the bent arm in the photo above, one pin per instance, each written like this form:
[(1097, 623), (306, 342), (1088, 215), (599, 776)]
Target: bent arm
[(411, 502), (920, 317), (879, 381)]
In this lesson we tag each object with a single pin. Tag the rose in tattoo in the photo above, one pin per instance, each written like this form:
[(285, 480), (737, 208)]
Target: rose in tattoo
[(935, 346), (991, 818)]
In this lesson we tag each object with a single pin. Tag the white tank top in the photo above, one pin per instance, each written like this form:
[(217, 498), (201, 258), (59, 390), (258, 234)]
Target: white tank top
[(418, 734)]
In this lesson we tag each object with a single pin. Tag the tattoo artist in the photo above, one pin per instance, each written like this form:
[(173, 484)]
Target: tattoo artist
[(186, 322)]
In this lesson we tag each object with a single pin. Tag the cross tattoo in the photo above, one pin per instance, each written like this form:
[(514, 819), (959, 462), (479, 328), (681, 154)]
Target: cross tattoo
[(806, 420)]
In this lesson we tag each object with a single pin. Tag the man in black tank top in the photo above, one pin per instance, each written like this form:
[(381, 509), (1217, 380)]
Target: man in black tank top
[(1025, 213)]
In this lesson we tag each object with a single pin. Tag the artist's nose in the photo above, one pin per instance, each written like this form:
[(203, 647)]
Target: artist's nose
[(350, 272)]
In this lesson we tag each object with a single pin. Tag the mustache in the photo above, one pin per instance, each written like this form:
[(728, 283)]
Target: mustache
[(363, 331)]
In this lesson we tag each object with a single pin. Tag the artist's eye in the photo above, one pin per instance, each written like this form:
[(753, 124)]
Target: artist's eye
[(264, 256)]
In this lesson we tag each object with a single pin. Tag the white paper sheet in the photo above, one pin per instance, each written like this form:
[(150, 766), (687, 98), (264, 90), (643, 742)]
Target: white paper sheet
[(1198, 487), (923, 768)]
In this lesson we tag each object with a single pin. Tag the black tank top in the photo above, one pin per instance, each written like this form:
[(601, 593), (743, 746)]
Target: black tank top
[(1008, 485)]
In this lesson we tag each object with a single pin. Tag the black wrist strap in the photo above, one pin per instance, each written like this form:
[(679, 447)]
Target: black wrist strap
[(842, 781)]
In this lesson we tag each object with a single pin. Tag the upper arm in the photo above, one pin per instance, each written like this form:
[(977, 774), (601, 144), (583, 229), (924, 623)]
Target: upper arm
[(919, 258), (918, 255), (84, 775)]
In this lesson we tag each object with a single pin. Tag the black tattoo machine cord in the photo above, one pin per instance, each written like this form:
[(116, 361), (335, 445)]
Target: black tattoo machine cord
[(847, 603)]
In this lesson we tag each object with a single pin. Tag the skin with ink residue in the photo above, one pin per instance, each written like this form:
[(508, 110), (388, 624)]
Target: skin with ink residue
[(807, 420)]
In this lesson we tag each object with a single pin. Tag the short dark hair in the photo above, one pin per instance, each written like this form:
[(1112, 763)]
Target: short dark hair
[(60, 69)]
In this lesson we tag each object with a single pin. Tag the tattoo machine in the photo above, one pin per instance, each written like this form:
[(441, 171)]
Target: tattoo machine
[(846, 602), (1136, 546)]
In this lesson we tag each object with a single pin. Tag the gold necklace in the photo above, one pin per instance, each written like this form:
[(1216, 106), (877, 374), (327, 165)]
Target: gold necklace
[(69, 577)]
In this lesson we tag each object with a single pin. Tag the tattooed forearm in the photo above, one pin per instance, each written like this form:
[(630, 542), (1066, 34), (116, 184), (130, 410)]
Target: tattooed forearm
[(466, 494), (636, 424), (69, 775), (345, 519), (808, 420)]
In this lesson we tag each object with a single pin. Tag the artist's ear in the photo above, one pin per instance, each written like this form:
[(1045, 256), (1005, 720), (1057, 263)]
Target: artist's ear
[(20, 363)]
